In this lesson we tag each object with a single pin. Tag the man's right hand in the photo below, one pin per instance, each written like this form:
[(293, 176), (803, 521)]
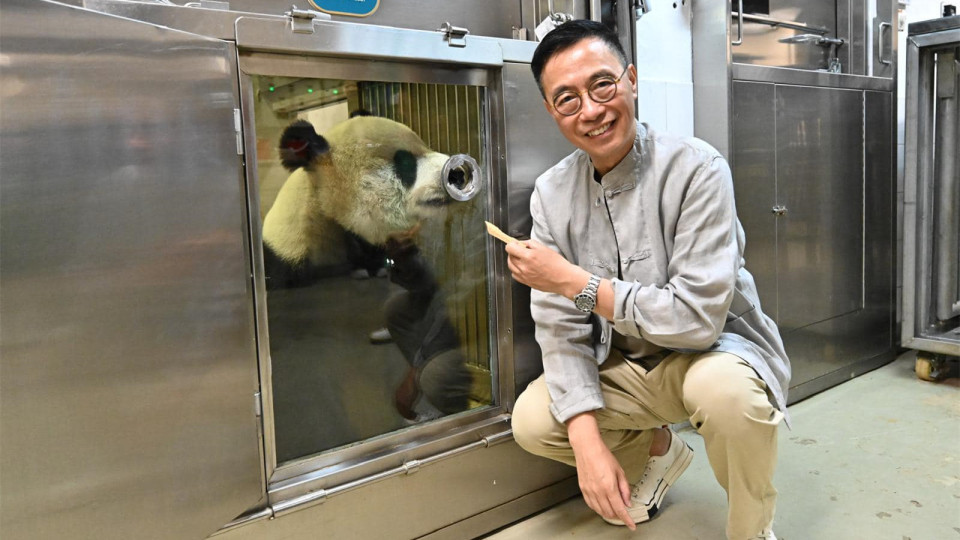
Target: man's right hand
[(602, 481)]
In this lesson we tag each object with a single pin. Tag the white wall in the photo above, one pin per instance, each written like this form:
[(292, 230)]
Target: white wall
[(665, 67)]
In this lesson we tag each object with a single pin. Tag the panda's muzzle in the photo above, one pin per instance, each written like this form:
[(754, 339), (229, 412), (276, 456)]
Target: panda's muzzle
[(462, 177)]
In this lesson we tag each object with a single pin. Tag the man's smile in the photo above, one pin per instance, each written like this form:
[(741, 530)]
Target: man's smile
[(600, 130)]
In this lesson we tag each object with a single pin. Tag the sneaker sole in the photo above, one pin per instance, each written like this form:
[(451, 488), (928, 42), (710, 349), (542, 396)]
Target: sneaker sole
[(674, 472)]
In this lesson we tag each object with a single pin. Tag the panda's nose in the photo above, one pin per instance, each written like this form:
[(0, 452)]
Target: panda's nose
[(462, 177), (457, 178)]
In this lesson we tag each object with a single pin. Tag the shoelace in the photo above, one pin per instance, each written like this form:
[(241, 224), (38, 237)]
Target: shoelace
[(646, 471)]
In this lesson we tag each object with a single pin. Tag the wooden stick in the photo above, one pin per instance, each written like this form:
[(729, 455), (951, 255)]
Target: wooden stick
[(495, 232)]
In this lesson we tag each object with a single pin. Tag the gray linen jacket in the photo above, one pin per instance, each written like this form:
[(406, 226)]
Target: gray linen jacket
[(664, 219)]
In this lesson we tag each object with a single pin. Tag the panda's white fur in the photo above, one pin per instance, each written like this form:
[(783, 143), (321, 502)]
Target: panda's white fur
[(358, 176)]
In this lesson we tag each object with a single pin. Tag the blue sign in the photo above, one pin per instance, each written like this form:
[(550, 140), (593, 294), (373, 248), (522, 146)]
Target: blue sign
[(352, 8)]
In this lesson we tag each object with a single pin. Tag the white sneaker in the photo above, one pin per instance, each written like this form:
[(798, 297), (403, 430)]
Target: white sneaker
[(424, 410), (360, 273), (380, 336), (659, 474)]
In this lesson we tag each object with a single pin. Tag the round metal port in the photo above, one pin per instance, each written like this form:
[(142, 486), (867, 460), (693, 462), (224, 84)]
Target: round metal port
[(462, 177)]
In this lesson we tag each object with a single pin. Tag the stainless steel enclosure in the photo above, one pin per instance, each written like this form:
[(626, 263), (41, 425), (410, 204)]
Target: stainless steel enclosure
[(129, 387), (138, 396), (931, 264), (811, 143)]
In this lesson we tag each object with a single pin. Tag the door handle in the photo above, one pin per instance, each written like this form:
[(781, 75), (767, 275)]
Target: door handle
[(880, 39), (739, 40)]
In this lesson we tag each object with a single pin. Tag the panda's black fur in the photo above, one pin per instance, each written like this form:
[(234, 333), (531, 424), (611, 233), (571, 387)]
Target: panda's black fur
[(300, 145)]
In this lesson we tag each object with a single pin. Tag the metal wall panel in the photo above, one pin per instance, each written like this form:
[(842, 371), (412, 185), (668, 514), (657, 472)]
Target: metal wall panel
[(819, 134), (127, 345), (823, 268), (534, 144), (761, 43), (834, 350), (755, 183), (495, 19), (931, 254)]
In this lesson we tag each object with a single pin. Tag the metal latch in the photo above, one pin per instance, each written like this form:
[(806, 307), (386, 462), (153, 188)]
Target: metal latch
[(301, 20), (779, 210), (455, 36)]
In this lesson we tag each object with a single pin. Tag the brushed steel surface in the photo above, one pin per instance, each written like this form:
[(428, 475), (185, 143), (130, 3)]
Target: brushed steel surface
[(879, 223), (215, 23), (835, 350), (364, 41), (936, 38), (920, 329), (814, 181), (410, 506), (495, 19), (934, 26), (819, 134), (947, 231), (824, 269), (128, 357), (883, 56), (745, 72), (761, 43), (533, 145), (712, 94), (755, 183)]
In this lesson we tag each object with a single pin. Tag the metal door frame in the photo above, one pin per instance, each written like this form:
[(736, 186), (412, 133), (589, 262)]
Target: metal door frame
[(311, 480)]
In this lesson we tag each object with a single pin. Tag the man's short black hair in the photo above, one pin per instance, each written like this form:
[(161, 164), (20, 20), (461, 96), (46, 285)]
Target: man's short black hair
[(569, 34)]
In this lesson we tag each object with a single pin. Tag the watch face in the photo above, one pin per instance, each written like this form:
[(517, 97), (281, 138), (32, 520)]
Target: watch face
[(584, 302)]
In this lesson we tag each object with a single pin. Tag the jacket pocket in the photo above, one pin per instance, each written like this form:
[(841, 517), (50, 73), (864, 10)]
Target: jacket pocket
[(740, 306)]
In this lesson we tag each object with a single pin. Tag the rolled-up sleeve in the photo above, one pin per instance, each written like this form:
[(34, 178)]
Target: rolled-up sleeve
[(565, 335), (689, 311)]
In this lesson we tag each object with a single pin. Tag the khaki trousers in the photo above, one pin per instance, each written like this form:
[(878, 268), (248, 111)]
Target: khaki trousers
[(719, 393)]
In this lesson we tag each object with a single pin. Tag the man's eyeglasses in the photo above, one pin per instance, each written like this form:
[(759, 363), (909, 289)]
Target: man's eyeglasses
[(600, 90)]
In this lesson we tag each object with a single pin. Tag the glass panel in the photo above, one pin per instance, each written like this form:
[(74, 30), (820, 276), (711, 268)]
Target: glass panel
[(376, 277)]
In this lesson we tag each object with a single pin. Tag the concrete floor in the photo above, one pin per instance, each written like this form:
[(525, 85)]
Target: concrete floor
[(877, 458)]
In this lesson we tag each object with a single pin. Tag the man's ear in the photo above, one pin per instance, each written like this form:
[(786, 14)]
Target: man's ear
[(548, 107), (632, 76)]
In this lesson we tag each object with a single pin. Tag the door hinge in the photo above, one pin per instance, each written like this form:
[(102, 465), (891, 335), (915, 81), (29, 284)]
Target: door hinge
[(301, 20), (257, 405), (238, 130), (455, 35)]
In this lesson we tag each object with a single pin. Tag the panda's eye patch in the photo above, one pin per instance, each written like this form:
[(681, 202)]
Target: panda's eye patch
[(405, 165)]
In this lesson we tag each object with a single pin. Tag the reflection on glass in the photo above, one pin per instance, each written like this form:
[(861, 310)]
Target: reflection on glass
[(376, 276)]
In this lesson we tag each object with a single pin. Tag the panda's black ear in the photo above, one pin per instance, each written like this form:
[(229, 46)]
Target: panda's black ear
[(300, 145)]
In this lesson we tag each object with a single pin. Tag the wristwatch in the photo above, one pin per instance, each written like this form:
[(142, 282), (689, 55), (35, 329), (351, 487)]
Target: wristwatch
[(587, 299)]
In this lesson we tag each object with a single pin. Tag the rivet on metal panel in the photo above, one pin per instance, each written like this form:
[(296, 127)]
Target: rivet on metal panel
[(411, 466)]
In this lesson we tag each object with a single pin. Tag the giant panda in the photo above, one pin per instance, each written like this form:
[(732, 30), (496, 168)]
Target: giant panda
[(369, 175)]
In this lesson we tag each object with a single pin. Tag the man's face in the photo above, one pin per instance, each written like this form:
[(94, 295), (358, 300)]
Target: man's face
[(605, 131)]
